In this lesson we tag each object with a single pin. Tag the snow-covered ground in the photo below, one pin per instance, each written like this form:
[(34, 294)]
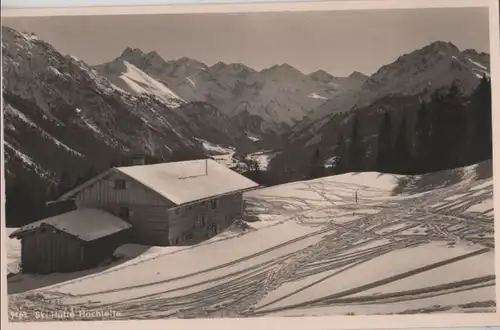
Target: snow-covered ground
[(314, 252), (13, 252), (262, 158), (222, 155), (226, 155)]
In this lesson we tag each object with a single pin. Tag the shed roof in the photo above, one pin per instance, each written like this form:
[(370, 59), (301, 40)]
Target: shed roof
[(86, 224), (188, 181)]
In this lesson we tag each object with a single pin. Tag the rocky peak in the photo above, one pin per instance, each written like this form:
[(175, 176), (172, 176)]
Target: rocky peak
[(321, 76), (282, 70), (218, 66), (132, 55), (155, 59), (356, 75)]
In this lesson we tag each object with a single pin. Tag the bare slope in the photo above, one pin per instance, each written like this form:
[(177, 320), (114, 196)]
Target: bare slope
[(315, 252)]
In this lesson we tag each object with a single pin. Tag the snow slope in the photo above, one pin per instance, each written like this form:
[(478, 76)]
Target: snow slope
[(13, 251), (141, 83), (314, 252)]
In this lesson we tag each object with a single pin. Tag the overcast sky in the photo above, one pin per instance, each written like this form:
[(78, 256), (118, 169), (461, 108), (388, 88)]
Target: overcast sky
[(337, 41)]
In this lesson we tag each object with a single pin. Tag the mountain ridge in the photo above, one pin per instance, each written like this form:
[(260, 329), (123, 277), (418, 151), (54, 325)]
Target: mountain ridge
[(81, 119), (419, 72), (236, 88)]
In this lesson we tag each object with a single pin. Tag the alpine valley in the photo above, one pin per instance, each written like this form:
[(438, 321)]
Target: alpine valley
[(65, 120)]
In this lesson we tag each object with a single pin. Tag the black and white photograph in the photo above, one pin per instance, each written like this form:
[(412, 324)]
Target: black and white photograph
[(248, 164)]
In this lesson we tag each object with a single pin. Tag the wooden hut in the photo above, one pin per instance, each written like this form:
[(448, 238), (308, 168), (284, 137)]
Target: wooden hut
[(177, 203), (70, 241)]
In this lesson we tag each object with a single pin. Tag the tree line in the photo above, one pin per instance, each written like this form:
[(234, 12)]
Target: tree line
[(450, 131)]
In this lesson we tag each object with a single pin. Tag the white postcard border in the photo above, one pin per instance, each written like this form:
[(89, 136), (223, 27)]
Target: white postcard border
[(285, 323)]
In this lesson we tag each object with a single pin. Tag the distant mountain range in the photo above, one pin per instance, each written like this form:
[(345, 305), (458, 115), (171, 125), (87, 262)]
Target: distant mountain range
[(419, 73), (64, 115), (279, 95)]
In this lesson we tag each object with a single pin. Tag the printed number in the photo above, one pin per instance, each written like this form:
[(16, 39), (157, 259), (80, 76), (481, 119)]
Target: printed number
[(18, 315)]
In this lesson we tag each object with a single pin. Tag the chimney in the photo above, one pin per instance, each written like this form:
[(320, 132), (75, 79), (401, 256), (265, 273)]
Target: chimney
[(206, 166), (139, 159)]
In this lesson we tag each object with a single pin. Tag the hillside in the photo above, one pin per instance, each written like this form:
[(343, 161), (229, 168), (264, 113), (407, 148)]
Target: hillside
[(64, 122), (314, 251), (414, 75), (456, 102)]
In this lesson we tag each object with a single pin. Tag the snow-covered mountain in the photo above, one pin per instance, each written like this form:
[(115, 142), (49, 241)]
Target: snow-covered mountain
[(278, 95), (432, 67), (60, 114), (418, 73)]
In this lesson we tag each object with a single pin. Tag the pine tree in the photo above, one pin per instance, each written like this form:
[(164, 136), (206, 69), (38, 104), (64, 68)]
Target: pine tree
[(457, 126), (422, 140), (440, 136), (356, 148), (341, 156), (402, 150), (253, 171), (482, 122), (384, 149), (91, 173), (317, 168), (66, 182)]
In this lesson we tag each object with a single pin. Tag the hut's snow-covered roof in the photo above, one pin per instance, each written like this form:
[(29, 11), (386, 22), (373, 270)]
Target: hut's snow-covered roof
[(86, 224), (188, 181)]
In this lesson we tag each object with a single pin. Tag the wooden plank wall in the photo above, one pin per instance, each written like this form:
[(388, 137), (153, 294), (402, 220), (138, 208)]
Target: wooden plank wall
[(148, 210), (101, 249), (152, 217), (47, 250), (103, 192), (183, 220)]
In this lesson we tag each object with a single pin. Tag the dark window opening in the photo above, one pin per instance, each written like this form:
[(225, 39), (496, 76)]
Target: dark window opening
[(214, 204), (198, 223), (124, 212), (120, 184)]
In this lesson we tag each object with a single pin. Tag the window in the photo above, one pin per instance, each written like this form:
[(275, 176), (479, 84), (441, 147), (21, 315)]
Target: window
[(203, 220), (214, 204), (187, 236), (198, 223), (120, 184), (124, 212)]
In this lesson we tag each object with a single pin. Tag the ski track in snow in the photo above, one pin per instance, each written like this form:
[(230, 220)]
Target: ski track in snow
[(318, 253)]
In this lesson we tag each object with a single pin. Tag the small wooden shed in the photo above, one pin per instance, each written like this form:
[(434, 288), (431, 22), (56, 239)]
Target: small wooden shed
[(70, 241)]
